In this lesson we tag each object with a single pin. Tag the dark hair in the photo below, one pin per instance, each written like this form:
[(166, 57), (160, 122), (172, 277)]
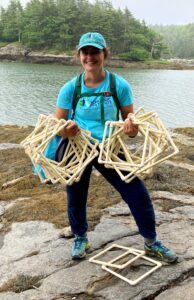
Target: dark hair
[(106, 52)]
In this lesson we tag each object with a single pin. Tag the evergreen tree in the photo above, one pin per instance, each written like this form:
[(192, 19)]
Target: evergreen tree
[(179, 39), (11, 22), (58, 24)]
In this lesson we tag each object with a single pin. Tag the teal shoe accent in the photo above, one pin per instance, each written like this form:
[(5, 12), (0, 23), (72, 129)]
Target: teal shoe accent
[(159, 250), (79, 247)]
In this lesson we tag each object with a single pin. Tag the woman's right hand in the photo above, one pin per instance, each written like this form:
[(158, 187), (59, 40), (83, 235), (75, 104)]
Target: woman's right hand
[(70, 130)]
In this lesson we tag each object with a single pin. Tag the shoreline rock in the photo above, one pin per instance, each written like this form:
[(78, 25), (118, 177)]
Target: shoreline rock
[(12, 53), (35, 260)]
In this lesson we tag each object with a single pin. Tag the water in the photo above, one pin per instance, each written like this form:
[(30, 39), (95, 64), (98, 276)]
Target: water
[(27, 90)]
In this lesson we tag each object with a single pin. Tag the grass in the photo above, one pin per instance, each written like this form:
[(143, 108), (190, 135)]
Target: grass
[(188, 131), (3, 44), (57, 51), (41, 201), (16, 44), (36, 201), (154, 61), (21, 283), (49, 203)]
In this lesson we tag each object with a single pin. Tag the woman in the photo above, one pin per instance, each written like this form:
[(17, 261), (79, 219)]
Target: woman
[(90, 113)]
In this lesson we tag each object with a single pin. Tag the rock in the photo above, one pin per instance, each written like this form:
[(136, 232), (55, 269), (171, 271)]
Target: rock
[(1, 236), (35, 263), (2, 210), (66, 232), (5, 146), (37, 251), (181, 165), (184, 290), (26, 238), (182, 198), (186, 212), (120, 209), (10, 296), (33, 248), (11, 50)]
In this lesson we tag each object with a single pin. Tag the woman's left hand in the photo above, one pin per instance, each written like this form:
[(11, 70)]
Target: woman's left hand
[(130, 128)]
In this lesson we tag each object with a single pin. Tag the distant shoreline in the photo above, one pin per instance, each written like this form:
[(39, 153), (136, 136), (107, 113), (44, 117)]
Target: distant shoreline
[(13, 53)]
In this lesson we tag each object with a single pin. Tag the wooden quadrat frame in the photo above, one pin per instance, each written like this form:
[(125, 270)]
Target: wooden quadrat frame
[(156, 266), (80, 151), (138, 254), (128, 157), (154, 146), (128, 250)]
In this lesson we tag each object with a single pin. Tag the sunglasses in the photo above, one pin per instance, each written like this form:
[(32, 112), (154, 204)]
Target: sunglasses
[(91, 51)]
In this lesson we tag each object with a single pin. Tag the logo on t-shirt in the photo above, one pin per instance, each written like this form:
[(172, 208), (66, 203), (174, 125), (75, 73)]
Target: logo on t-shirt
[(95, 103), (82, 102)]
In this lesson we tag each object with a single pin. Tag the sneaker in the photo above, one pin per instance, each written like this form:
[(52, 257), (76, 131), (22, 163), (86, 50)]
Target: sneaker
[(79, 247), (160, 251)]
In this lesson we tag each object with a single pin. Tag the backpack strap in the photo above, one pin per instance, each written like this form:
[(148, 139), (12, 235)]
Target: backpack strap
[(114, 93), (77, 94)]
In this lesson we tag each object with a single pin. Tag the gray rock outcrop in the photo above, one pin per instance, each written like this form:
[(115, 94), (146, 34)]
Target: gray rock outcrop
[(35, 261)]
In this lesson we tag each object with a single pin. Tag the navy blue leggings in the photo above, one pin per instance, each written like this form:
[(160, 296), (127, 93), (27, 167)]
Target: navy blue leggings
[(134, 194)]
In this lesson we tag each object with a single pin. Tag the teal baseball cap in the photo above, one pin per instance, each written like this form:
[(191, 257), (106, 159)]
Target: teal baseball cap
[(93, 39)]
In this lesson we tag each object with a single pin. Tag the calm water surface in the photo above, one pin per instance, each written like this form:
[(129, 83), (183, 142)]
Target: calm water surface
[(27, 90)]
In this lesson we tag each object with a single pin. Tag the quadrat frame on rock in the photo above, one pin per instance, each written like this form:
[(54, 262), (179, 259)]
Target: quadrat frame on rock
[(110, 265)]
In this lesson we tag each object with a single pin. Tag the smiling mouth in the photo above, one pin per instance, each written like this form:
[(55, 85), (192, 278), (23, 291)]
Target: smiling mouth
[(91, 62)]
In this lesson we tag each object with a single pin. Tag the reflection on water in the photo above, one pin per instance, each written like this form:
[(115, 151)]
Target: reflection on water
[(26, 90)]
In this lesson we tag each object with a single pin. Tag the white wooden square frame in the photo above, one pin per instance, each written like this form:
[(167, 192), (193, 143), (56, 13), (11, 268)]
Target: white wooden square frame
[(157, 146), (81, 150), (156, 266), (138, 254), (129, 250)]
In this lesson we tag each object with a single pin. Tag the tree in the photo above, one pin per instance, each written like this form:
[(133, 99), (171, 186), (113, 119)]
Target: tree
[(179, 39), (11, 22), (58, 24), (40, 26)]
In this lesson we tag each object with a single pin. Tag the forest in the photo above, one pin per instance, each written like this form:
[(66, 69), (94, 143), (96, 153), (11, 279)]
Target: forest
[(179, 40), (56, 25)]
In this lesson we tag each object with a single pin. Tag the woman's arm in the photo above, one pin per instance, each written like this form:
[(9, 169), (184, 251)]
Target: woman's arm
[(71, 129), (130, 128)]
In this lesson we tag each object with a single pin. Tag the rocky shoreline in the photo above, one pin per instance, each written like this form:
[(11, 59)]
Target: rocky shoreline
[(35, 262), (13, 53)]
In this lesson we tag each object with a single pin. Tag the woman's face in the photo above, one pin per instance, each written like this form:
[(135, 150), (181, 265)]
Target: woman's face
[(91, 58)]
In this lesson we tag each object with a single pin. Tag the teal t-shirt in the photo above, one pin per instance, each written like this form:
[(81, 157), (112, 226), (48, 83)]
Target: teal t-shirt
[(88, 110)]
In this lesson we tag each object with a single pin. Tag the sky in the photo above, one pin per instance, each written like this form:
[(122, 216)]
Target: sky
[(166, 12)]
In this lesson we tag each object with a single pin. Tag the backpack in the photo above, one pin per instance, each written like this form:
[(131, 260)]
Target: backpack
[(77, 95)]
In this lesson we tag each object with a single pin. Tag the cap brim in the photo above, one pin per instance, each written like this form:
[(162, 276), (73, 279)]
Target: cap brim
[(90, 44)]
